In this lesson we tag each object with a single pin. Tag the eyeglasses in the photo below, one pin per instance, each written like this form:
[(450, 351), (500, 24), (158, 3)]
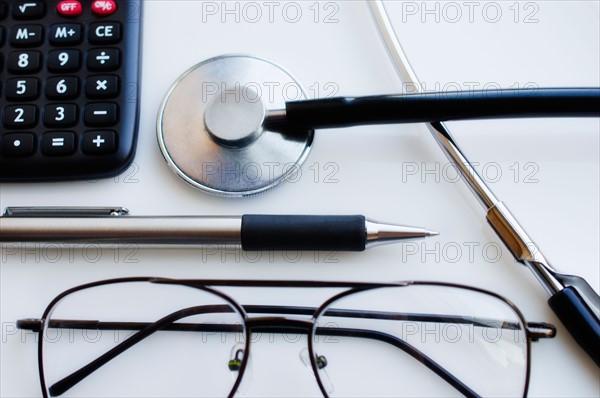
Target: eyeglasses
[(164, 337)]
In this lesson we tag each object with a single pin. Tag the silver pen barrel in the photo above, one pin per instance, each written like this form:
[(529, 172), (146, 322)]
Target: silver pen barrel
[(197, 231)]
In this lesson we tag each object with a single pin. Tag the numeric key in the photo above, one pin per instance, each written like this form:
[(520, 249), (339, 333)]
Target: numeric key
[(19, 116), (64, 60), (24, 61), (62, 87), (60, 115), (22, 89)]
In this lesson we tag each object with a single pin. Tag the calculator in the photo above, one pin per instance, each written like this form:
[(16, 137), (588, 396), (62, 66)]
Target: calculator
[(69, 88)]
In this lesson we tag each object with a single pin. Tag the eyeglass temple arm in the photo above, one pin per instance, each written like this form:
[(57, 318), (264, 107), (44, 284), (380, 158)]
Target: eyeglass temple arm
[(167, 324), (535, 330)]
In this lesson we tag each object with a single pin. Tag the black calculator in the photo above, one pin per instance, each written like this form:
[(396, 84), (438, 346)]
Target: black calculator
[(69, 88)]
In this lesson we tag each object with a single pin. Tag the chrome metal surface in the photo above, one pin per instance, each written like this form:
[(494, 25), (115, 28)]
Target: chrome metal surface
[(503, 222), (522, 246), (123, 230), (210, 126), (238, 131), (65, 211), (382, 233), (474, 181), (276, 115), (439, 130)]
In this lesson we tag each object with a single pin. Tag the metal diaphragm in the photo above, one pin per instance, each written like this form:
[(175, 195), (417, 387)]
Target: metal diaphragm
[(210, 126)]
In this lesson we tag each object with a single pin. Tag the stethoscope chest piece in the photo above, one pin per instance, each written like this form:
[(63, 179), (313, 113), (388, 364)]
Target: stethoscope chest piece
[(210, 126)]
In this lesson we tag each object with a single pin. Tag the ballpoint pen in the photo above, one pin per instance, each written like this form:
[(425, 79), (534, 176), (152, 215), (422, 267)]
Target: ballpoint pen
[(572, 298), (111, 225)]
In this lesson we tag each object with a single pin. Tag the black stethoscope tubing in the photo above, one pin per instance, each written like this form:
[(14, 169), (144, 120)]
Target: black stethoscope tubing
[(436, 107)]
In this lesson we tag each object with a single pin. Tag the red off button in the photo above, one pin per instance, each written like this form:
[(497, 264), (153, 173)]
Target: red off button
[(69, 8), (104, 7)]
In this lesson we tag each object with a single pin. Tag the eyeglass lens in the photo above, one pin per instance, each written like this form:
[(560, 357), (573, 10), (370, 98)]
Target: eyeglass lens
[(197, 337), (399, 335)]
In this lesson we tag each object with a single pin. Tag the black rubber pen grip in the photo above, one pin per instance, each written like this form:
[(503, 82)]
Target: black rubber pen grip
[(579, 320), (339, 233)]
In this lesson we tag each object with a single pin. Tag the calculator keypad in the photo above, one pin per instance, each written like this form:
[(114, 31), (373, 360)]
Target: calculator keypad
[(68, 88)]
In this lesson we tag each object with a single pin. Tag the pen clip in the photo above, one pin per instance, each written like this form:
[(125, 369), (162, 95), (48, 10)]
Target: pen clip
[(65, 212)]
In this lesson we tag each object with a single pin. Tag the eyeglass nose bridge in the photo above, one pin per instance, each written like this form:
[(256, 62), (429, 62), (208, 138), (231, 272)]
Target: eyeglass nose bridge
[(276, 324), (281, 324)]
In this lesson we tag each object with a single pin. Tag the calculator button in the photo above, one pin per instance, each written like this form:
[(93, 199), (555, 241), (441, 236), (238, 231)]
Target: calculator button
[(22, 89), (104, 7), (19, 116), (28, 9), (103, 59), (65, 34), (60, 115), (26, 35), (62, 87), (105, 32), (64, 60), (24, 61), (100, 114), (69, 8), (18, 145), (102, 86), (60, 143), (3, 11), (99, 142)]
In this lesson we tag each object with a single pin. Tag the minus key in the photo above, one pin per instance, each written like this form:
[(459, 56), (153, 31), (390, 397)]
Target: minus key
[(101, 114)]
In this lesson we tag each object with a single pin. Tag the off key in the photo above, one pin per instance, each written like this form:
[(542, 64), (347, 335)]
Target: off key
[(69, 8)]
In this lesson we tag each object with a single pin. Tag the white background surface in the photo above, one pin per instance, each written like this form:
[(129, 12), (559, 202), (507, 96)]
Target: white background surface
[(555, 195)]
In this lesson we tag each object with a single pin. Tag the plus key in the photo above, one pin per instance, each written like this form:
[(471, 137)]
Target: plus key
[(99, 142)]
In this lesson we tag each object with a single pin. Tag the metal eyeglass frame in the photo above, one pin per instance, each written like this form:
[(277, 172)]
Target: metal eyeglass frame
[(273, 324)]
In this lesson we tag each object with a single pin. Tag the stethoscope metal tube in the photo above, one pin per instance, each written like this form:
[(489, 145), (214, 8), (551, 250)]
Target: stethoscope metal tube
[(572, 299)]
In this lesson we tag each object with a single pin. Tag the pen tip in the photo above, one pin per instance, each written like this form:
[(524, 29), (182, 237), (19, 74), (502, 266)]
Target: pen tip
[(381, 233)]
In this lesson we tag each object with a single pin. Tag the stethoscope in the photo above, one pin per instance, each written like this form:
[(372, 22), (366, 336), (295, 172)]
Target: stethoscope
[(233, 125), (230, 127)]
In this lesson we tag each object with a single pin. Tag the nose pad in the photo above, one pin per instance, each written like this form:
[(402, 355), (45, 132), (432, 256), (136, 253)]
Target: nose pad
[(235, 364), (321, 362)]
